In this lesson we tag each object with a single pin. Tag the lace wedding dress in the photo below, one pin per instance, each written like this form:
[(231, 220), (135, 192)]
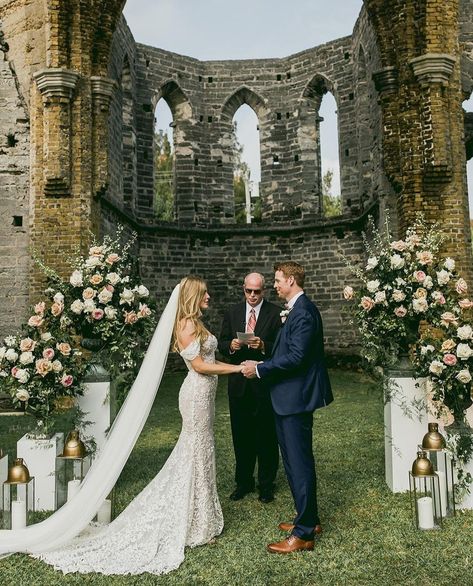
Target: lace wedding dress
[(178, 508)]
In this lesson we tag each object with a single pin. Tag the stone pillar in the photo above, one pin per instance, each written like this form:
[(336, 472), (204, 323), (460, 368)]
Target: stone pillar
[(57, 88)]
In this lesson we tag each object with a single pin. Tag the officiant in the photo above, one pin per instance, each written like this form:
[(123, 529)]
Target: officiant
[(249, 330)]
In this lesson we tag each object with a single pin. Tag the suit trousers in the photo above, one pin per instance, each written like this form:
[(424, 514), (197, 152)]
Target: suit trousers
[(295, 440), (254, 439)]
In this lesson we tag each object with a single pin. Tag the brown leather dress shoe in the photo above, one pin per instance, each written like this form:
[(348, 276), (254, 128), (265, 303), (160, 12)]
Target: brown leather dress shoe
[(290, 544), (290, 527)]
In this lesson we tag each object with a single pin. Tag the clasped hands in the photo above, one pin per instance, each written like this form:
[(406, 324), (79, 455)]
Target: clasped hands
[(248, 368)]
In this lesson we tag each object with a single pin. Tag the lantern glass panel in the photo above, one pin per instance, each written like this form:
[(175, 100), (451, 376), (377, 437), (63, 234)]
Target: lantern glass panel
[(443, 466), (12, 495), (69, 474)]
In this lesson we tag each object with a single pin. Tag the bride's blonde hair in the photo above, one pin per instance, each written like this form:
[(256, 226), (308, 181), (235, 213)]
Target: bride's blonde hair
[(191, 293)]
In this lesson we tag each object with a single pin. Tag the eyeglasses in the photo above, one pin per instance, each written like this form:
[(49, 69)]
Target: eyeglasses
[(255, 291)]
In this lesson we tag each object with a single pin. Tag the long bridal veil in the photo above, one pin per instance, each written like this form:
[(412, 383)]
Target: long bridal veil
[(77, 513)]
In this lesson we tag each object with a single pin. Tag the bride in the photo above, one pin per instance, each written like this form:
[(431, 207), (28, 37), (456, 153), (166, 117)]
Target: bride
[(180, 506)]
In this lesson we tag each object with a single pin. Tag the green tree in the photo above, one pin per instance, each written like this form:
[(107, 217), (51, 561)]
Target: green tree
[(164, 177), (332, 204)]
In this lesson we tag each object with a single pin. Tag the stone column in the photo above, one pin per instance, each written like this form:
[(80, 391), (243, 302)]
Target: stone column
[(57, 87)]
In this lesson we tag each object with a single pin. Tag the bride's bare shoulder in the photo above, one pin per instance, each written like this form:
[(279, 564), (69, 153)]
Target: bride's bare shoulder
[(185, 333)]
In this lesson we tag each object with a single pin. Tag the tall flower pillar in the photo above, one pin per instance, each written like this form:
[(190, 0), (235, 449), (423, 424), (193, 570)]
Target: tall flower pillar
[(57, 87)]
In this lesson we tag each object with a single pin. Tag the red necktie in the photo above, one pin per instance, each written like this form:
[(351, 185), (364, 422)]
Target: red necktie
[(250, 326)]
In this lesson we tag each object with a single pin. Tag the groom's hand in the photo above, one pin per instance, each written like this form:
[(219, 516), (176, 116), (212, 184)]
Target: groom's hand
[(249, 368)]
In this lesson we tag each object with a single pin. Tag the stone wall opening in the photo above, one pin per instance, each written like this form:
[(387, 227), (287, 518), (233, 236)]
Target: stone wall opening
[(164, 184), (246, 166), (328, 154)]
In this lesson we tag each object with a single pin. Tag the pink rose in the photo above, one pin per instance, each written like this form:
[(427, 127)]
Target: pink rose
[(67, 380), (96, 279), (425, 257), (88, 293), (110, 288), (367, 303), (419, 276), (400, 311), (27, 345), (398, 245), (97, 314), (130, 317), (461, 286), (112, 258), (14, 370), (144, 310), (40, 307), (440, 300), (56, 309), (450, 359), (348, 293), (465, 303), (64, 348), (448, 318), (35, 321), (43, 366), (48, 353)]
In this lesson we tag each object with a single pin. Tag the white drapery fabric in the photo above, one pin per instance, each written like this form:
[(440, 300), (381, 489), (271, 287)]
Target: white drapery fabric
[(77, 513)]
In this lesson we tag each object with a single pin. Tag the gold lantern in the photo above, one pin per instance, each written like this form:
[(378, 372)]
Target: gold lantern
[(434, 445), (17, 496), (71, 467), (425, 494)]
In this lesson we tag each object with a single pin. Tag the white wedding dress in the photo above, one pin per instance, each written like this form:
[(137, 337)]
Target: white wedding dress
[(178, 508)]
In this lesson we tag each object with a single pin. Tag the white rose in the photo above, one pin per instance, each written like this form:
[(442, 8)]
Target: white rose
[(420, 305), (425, 349), (111, 312), (59, 298), (57, 366), (436, 367), (77, 306), (26, 358), (113, 278), (142, 291), (126, 279), (127, 296), (10, 341), (428, 282), (449, 264), (400, 282), (443, 277), (105, 296), (22, 376), (89, 306), (76, 279), (3, 351), (22, 395), (380, 297), (397, 262), (465, 332), (372, 286), (464, 376), (372, 263), (464, 351), (11, 355), (92, 262), (46, 336), (398, 295)]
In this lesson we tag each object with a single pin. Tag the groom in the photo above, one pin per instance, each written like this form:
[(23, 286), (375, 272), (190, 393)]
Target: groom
[(299, 384)]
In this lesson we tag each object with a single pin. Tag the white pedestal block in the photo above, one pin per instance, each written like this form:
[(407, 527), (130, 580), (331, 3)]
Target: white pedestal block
[(95, 404), (39, 456), (3, 471), (405, 424)]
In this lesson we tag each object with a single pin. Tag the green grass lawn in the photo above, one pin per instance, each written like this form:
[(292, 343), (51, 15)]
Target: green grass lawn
[(368, 534)]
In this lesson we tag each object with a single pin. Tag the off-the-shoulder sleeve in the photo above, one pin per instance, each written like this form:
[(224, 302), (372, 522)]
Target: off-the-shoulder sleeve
[(191, 351)]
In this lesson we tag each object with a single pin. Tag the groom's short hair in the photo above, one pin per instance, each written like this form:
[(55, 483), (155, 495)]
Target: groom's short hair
[(291, 268)]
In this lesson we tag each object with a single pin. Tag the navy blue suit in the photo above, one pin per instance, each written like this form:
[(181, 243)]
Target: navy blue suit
[(299, 384)]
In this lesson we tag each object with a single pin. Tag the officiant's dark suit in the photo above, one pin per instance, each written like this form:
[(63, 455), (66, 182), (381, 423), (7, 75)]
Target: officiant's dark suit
[(251, 412)]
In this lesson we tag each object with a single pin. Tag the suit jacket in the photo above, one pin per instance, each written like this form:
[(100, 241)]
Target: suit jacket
[(267, 328), (296, 372)]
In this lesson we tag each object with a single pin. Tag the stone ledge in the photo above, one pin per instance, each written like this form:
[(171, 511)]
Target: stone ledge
[(56, 82), (433, 68)]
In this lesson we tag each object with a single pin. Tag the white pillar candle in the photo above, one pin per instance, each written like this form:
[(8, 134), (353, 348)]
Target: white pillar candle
[(18, 514), (104, 514), (73, 487), (442, 505), (425, 511)]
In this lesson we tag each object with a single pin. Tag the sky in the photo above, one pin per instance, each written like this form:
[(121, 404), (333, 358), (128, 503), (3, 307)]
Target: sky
[(250, 29)]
